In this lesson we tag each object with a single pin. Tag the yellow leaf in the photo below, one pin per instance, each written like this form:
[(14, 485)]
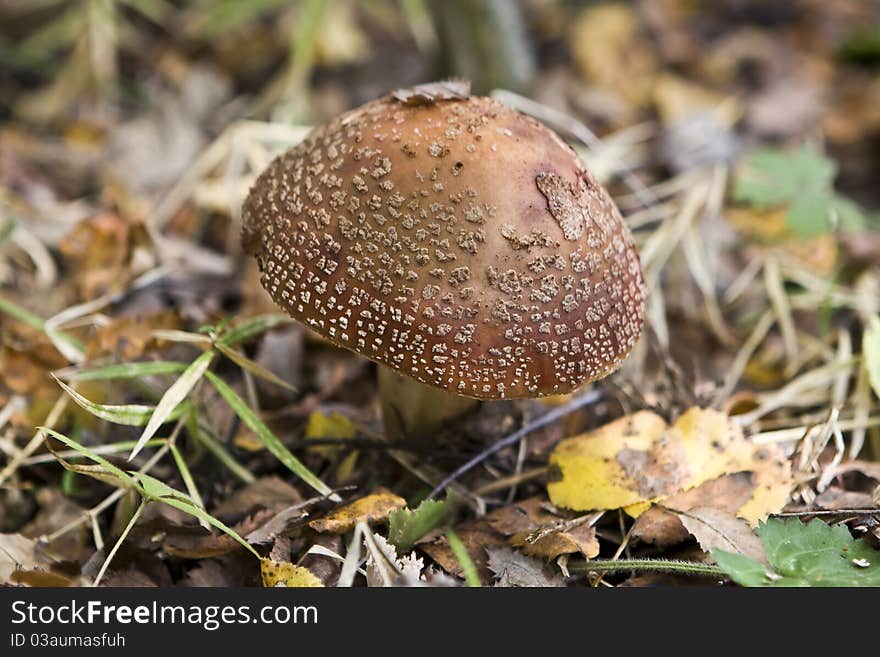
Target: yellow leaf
[(282, 573), (334, 425), (639, 459), (371, 508)]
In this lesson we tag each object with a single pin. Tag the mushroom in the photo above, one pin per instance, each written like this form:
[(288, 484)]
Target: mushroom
[(461, 245)]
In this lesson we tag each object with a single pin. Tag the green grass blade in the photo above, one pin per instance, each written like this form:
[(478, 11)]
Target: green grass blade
[(100, 460), (464, 559), (188, 481), (132, 415), (34, 321), (173, 397), (158, 491), (252, 327), (269, 439), (129, 370)]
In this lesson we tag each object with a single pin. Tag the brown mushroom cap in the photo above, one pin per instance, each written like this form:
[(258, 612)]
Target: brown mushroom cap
[(454, 240)]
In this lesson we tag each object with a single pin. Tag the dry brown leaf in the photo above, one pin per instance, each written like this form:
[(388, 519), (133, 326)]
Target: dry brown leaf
[(512, 568), (477, 537), (714, 528), (660, 525), (22, 561), (534, 526), (372, 508), (106, 252)]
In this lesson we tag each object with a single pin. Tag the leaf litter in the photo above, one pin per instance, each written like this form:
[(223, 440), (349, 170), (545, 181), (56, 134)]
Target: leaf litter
[(131, 327)]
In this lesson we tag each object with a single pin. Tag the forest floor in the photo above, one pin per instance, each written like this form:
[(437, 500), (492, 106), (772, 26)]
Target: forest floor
[(741, 142)]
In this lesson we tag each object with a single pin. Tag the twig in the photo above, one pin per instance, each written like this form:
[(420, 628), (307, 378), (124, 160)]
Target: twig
[(561, 411)]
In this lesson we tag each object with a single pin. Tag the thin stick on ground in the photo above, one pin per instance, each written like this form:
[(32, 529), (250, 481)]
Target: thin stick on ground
[(586, 399)]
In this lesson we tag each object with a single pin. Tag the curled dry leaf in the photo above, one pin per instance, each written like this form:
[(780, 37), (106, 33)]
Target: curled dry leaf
[(640, 459), (541, 531), (372, 508)]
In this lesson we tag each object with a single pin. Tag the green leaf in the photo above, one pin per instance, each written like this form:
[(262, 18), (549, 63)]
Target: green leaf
[(850, 216), (405, 527), (269, 439), (252, 327), (132, 415), (159, 491), (871, 352), (774, 177), (108, 468), (803, 181), (172, 397), (815, 554), (129, 370), (809, 215)]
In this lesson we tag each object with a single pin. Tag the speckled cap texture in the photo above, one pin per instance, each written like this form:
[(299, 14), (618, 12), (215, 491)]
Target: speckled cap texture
[(453, 239)]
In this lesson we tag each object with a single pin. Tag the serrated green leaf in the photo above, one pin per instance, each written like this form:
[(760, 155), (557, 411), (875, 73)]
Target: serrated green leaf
[(129, 370), (815, 554), (406, 526), (269, 439), (173, 397), (871, 352), (803, 181)]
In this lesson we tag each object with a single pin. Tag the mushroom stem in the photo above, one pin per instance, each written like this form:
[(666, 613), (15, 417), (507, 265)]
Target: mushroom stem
[(414, 410)]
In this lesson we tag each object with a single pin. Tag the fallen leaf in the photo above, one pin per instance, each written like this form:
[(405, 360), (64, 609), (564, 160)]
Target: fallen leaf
[(477, 537), (372, 508), (514, 569), (282, 573), (715, 529), (661, 526), (22, 561), (428, 94), (540, 532), (639, 458), (265, 493)]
